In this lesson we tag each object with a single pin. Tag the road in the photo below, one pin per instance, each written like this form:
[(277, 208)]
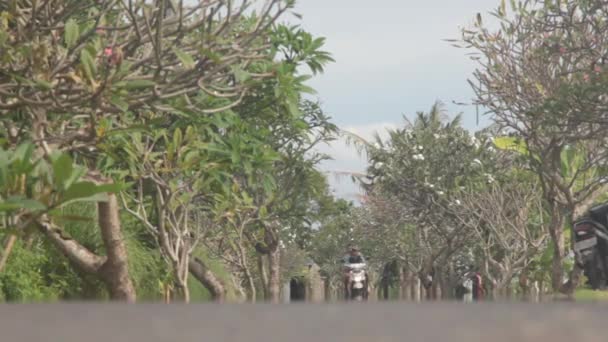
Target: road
[(373, 322)]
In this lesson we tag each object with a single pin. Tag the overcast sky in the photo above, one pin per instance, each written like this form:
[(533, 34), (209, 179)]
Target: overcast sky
[(391, 61)]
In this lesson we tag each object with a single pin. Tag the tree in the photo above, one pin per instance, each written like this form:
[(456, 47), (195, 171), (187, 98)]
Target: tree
[(542, 76), (423, 167), (293, 127), (32, 192), (507, 218), (76, 72), (288, 202)]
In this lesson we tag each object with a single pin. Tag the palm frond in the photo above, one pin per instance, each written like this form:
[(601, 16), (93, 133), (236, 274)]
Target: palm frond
[(356, 141)]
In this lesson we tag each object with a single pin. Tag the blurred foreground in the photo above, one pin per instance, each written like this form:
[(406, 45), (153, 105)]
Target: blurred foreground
[(375, 322)]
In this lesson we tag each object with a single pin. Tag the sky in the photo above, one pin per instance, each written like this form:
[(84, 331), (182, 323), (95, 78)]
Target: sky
[(391, 61)]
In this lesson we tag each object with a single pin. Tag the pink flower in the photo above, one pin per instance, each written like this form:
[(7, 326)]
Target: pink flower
[(107, 51), (597, 69), (562, 50), (586, 77)]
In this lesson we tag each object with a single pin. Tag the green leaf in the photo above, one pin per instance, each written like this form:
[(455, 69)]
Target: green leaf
[(236, 158), (567, 159), (102, 197), (246, 198), (88, 63), (23, 152), (87, 189), (294, 110), (263, 211), (177, 138), (71, 33), (185, 58), (240, 75), (503, 8), (139, 84), (119, 103), (43, 85), (14, 203), (62, 169), (511, 144), (268, 184)]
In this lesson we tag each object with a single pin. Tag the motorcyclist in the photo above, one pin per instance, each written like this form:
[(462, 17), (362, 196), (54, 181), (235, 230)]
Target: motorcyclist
[(354, 256)]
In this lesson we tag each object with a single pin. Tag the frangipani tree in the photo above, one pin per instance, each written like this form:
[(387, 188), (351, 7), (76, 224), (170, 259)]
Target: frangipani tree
[(542, 75), (77, 72)]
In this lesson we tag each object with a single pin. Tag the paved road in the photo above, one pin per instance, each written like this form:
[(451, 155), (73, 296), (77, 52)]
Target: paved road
[(378, 322)]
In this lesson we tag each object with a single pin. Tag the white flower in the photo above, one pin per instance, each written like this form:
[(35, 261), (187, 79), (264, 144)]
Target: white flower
[(489, 178), (436, 136), (418, 156), (440, 193), (378, 165), (420, 148), (457, 202)]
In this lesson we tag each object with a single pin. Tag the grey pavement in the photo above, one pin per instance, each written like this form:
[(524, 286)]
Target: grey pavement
[(362, 322)]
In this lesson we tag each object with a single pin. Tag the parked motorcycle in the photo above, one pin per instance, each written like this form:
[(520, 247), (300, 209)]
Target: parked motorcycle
[(591, 246)]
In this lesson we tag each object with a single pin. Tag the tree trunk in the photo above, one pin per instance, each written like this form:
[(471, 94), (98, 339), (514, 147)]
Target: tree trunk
[(435, 290), (251, 283), (274, 282), (183, 290), (442, 281), (263, 276), (406, 284), (384, 288), (400, 282), (208, 279), (167, 293), (541, 289), (384, 282), (524, 285), (415, 289), (6, 251), (242, 296), (327, 289), (115, 271), (79, 256), (556, 232)]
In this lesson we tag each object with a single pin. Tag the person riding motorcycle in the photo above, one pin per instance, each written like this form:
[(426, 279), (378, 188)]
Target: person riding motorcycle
[(354, 256)]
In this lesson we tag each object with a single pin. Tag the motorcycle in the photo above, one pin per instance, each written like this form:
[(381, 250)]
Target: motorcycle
[(357, 281), (591, 246)]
